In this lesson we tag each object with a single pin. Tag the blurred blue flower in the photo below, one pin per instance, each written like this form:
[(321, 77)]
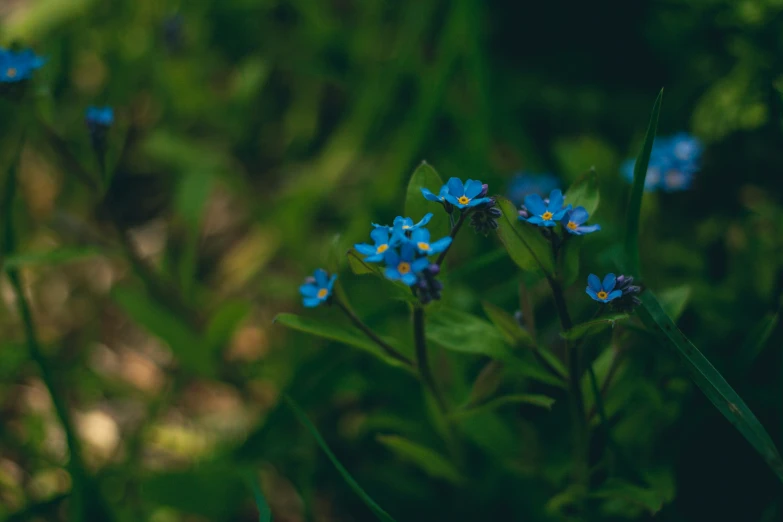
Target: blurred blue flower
[(99, 116), (674, 160), (524, 184), (403, 266), (421, 240), (405, 223), (382, 241), (602, 291), (465, 196), (16, 66), (545, 214), (317, 289), (574, 222)]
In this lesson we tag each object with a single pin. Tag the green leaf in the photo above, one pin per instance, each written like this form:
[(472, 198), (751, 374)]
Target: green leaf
[(430, 461), (264, 513), (651, 500), (465, 333), (397, 290), (186, 345), (336, 332), (756, 341), (376, 509), (592, 327), (674, 300), (512, 332), (524, 243), (637, 191), (191, 198), (536, 400), (52, 257), (584, 192), (711, 382), (487, 382), (416, 206)]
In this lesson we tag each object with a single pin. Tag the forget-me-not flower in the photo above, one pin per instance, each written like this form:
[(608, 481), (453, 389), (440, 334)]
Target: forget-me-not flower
[(406, 224), (404, 266), (421, 240), (465, 196), (317, 289), (674, 160), (383, 241), (16, 66), (545, 214), (99, 116), (574, 222), (602, 291)]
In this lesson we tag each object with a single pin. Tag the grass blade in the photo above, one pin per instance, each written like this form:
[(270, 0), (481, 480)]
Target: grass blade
[(374, 507), (635, 204), (711, 382), (264, 513)]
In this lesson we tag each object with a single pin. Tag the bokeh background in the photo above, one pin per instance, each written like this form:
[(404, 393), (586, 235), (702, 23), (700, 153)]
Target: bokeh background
[(257, 139)]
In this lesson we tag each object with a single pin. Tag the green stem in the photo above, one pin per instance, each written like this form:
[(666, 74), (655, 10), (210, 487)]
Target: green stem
[(391, 352), (422, 361), (454, 230)]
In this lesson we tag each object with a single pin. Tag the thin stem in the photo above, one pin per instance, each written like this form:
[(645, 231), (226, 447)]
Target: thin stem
[(422, 360), (528, 311), (615, 365), (391, 352), (454, 230)]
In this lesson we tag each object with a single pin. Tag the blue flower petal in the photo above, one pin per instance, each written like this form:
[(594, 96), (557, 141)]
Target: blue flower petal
[(311, 302), (473, 188), (608, 283), (380, 236), (535, 220), (578, 215), (365, 249), (331, 283), (587, 229), (391, 257), (534, 204), (420, 235), (375, 258), (430, 196), (320, 277), (440, 245), (592, 293), (557, 216), (451, 199), (308, 290), (479, 201), (614, 295), (407, 251), (456, 188), (387, 227), (426, 219), (555, 201), (419, 265), (392, 273), (594, 283), (409, 279)]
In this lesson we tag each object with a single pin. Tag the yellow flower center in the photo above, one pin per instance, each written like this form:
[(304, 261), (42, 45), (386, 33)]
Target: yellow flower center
[(546, 216), (423, 246), (602, 295), (10, 72), (463, 200), (572, 225), (323, 292), (381, 249), (404, 268), (406, 227)]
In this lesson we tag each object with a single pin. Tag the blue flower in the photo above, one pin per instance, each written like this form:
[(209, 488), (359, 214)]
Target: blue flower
[(382, 241), (421, 240), (18, 66), (403, 266), (405, 223), (545, 214), (440, 197), (574, 221), (674, 160), (317, 289), (524, 184), (99, 116), (464, 196), (602, 291)]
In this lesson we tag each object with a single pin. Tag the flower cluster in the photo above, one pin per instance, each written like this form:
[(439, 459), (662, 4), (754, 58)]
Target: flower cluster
[(405, 248), (470, 198), (17, 66), (524, 184), (551, 211), (674, 161)]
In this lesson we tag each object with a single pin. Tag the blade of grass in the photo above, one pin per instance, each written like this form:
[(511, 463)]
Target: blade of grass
[(264, 513), (374, 507), (635, 203), (711, 382)]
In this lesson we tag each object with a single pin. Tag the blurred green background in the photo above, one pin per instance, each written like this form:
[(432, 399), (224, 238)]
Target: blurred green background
[(257, 139)]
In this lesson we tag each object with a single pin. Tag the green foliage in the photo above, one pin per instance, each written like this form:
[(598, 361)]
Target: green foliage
[(425, 176), (524, 244), (584, 192)]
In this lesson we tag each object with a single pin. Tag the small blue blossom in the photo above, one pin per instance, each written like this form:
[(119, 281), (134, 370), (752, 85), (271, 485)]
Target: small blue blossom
[(406, 224), (524, 184), (465, 196), (18, 66), (421, 240), (602, 291), (574, 222), (440, 197), (317, 289), (99, 116), (545, 214), (674, 160), (403, 266), (383, 241)]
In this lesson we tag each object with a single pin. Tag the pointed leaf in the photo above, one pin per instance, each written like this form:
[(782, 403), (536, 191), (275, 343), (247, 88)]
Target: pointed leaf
[(524, 242), (584, 192), (756, 341), (264, 513), (512, 332), (593, 327), (397, 290), (425, 176), (374, 507), (336, 332), (536, 400), (465, 333), (651, 500), (637, 191), (711, 382), (674, 300), (430, 461)]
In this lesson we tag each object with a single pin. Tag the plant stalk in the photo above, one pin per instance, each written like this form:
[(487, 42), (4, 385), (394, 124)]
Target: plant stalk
[(454, 230), (391, 352), (422, 361)]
